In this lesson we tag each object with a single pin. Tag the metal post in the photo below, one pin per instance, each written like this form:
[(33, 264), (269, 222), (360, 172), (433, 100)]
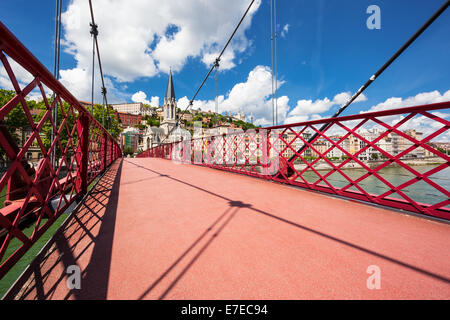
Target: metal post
[(93, 76), (111, 155), (104, 150), (82, 154)]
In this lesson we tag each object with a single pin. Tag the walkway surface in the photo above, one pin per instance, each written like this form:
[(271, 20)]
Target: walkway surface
[(152, 229)]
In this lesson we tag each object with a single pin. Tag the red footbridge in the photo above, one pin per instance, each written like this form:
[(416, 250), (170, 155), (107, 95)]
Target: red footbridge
[(359, 212)]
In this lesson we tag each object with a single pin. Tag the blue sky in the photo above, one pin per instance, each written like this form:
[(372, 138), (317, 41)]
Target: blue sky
[(327, 51)]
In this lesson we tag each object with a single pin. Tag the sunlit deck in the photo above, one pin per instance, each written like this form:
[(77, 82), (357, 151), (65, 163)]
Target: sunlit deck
[(152, 229)]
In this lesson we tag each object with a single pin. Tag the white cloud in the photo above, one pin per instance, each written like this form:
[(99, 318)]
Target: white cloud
[(343, 97), (308, 109), (154, 101), (140, 96), (204, 105), (5, 83), (226, 62), (285, 30), (419, 122), (22, 76), (417, 100), (78, 82), (252, 97), (296, 119), (143, 38), (182, 103)]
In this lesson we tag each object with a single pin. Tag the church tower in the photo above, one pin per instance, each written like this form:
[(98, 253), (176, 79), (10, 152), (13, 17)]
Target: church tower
[(170, 107)]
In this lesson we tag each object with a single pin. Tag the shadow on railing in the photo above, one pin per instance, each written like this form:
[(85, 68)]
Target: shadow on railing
[(397, 158), (73, 150)]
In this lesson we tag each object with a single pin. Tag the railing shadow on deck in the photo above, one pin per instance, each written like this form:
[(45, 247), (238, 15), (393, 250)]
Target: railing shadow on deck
[(230, 212), (90, 230)]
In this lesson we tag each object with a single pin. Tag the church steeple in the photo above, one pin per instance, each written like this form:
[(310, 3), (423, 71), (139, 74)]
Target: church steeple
[(170, 92), (170, 102)]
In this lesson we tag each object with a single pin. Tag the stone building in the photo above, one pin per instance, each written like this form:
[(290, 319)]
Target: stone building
[(128, 119), (169, 108), (154, 136), (137, 108)]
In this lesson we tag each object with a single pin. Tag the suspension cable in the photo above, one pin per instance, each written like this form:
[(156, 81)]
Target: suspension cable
[(104, 91), (57, 39), (94, 32), (191, 102), (217, 92), (275, 59), (56, 70), (271, 60)]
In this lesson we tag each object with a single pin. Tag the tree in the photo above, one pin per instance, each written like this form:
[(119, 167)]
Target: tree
[(111, 121), (153, 122), (140, 126), (15, 120), (46, 132), (128, 151)]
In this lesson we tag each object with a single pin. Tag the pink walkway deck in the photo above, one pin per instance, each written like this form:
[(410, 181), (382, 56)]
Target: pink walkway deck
[(156, 230)]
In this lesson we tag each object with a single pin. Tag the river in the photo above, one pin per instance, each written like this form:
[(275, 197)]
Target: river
[(420, 191)]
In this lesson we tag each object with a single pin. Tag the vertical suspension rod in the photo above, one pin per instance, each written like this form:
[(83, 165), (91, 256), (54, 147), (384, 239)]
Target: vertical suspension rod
[(271, 60), (56, 73)]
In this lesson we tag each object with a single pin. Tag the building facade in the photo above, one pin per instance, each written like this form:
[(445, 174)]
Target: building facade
[(130, 138), (131, 108), (137, 108), (128, 119)]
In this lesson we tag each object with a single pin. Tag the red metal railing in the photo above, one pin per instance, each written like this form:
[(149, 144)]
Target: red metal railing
[(389, 157), (80, 150)]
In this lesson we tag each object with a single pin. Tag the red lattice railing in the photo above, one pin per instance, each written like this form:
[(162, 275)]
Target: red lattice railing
[(34, 197), (397, 158)]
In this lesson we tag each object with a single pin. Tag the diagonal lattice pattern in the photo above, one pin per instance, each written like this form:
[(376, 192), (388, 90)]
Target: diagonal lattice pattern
[(73, 150)]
